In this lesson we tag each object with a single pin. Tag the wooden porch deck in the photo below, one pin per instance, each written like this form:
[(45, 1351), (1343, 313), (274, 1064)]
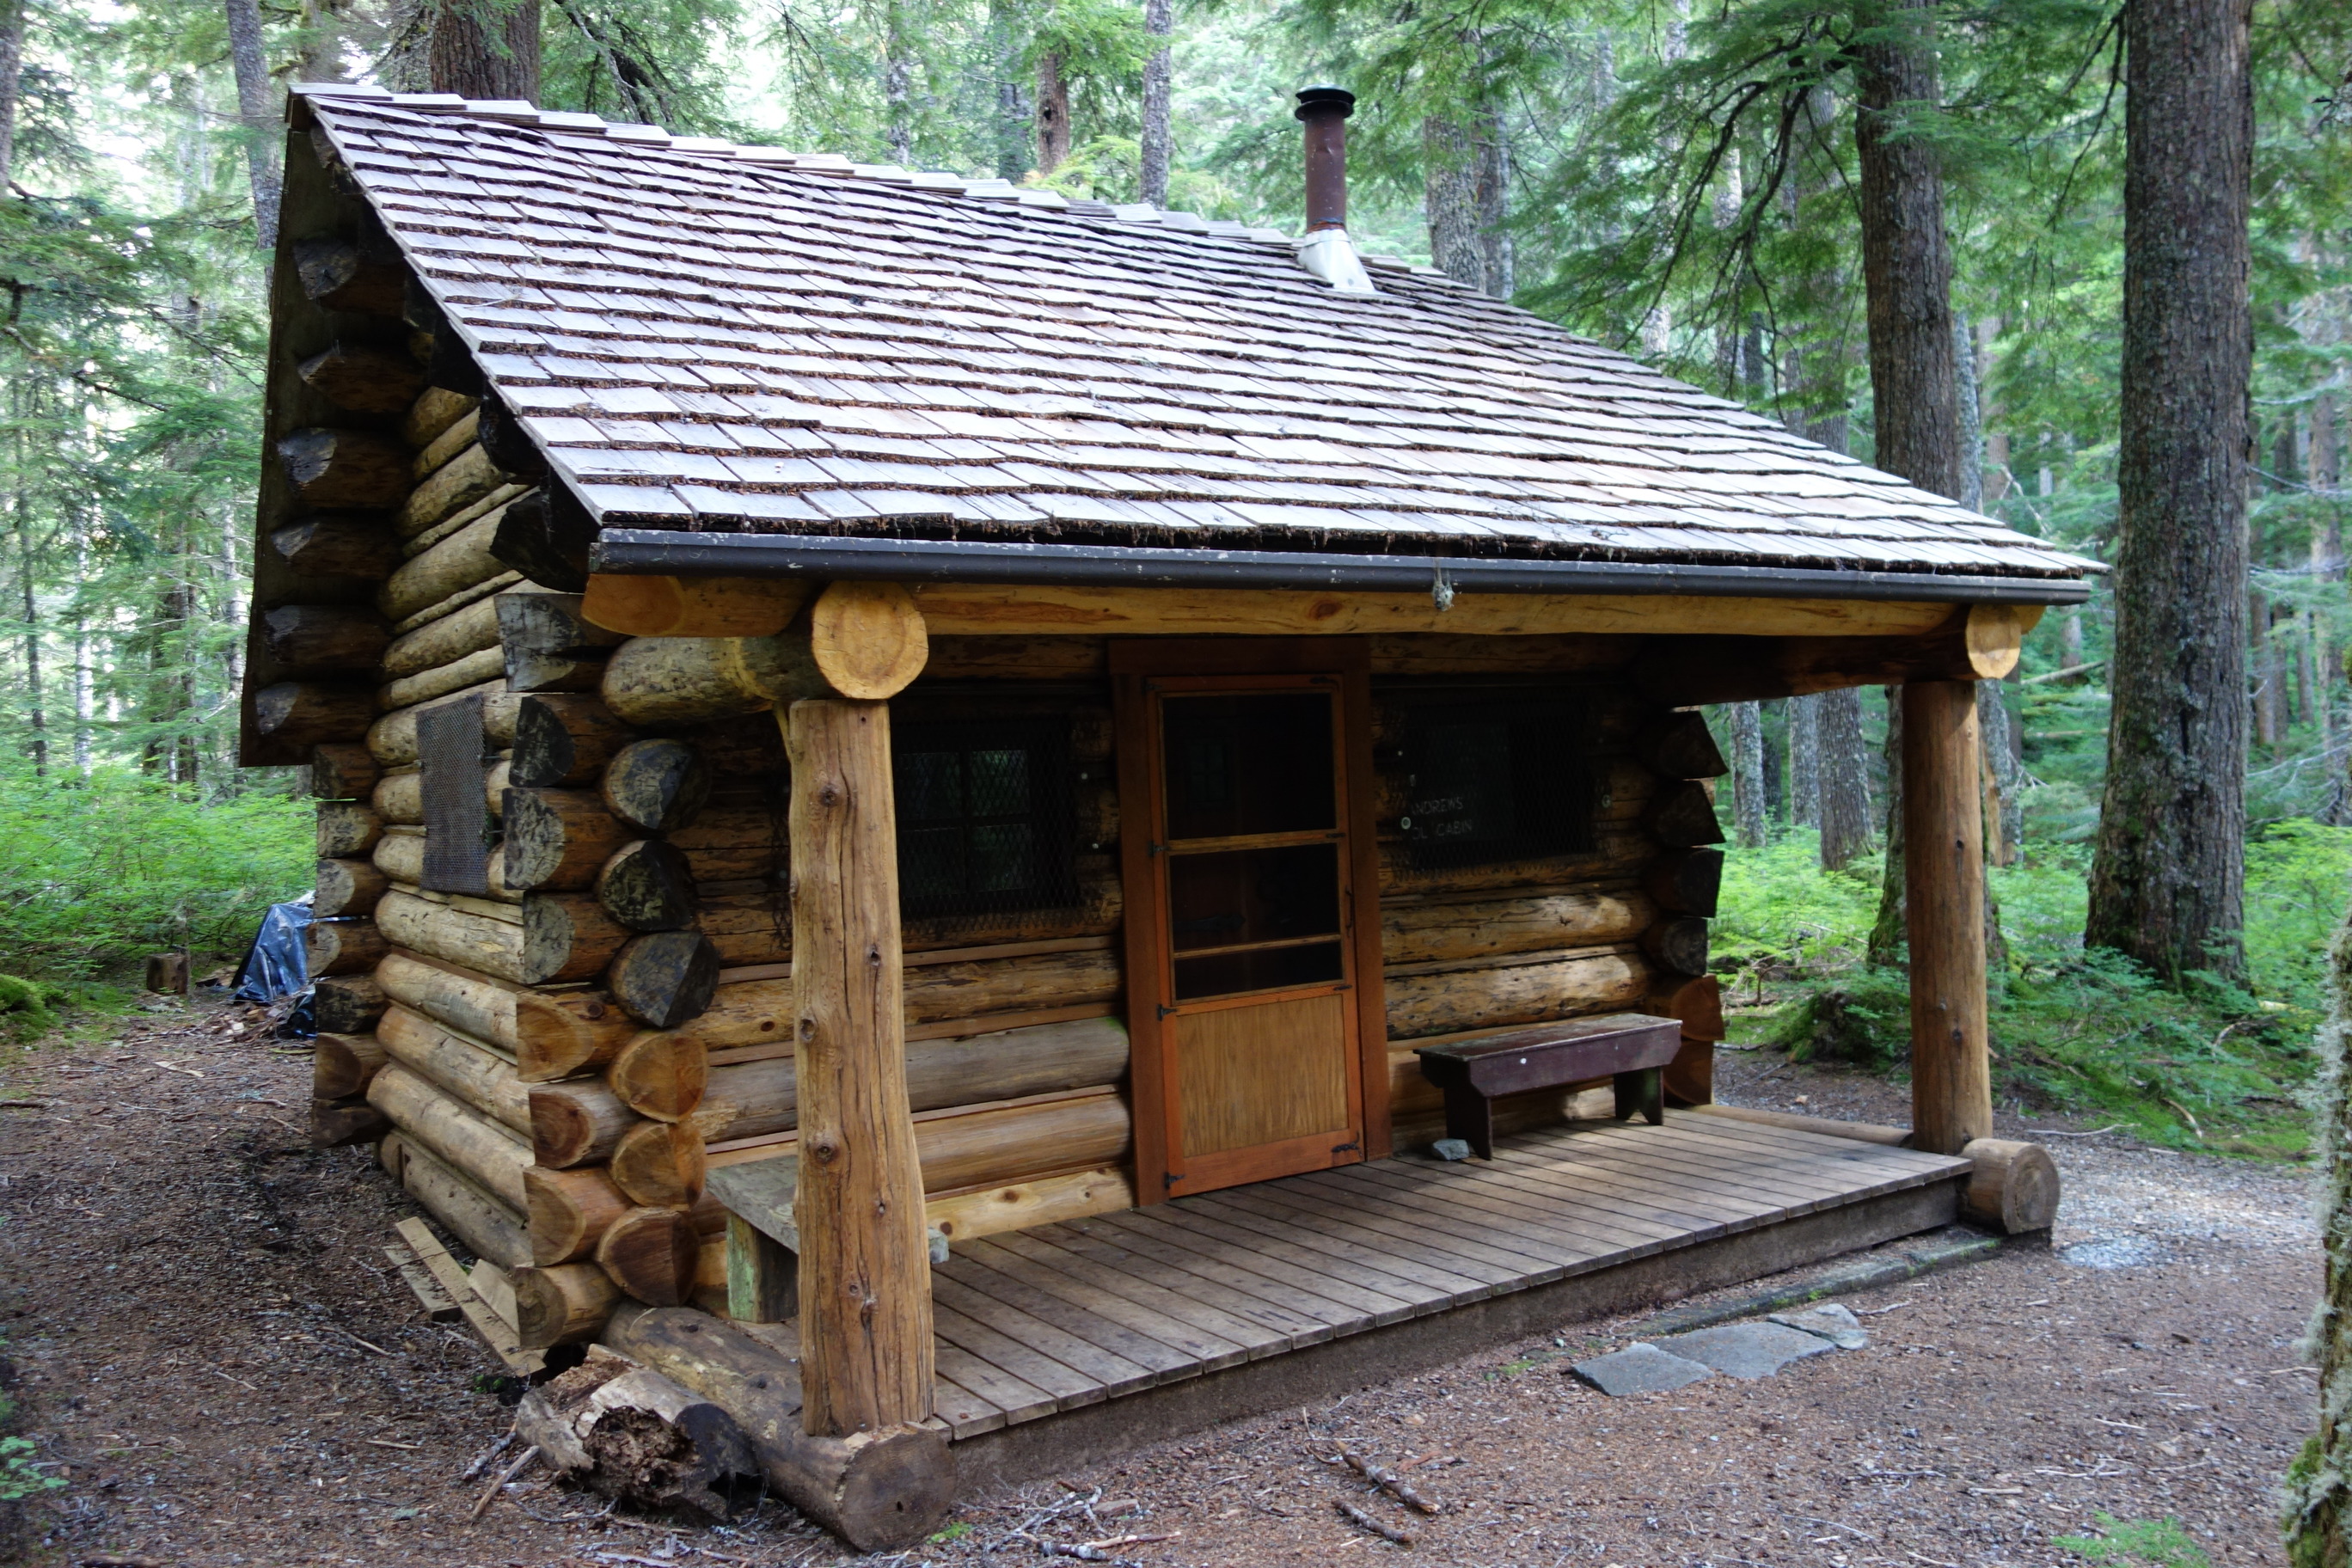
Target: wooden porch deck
[(1093, 1313)]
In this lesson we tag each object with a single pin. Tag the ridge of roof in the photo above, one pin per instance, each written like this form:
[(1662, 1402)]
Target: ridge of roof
[(987, 188)]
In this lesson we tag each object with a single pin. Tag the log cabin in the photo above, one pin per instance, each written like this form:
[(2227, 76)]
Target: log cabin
[(987, 826)]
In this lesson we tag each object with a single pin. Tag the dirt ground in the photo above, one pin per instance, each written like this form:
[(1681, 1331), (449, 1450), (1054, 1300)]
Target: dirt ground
[(209, 1348)]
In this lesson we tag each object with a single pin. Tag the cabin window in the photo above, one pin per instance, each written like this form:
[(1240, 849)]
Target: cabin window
[(1493, 779), (984, 817)]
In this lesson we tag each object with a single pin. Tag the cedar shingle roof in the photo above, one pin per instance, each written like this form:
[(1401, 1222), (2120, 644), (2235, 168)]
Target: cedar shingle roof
[(709, 338)]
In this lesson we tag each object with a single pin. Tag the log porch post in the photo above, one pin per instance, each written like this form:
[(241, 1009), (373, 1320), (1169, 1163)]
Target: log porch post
[(1943, 877), (865, 1275)]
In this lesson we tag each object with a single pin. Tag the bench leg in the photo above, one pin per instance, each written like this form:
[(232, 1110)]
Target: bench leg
[(762, 1275), (1470, 1117), (1643, 1091)]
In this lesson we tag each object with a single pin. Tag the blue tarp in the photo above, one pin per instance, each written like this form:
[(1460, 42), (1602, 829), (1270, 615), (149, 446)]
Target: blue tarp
[(274, 965)]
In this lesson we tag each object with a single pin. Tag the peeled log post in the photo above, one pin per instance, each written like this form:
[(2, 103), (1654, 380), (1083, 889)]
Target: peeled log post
[(347, 887), (659, 785), (1690, 882), (461, 1067), (342, 1065), (341, 947), (303, 713), (563, 1305), (660, 1163), (664, 978), (569, 1211), (338, 545), (342, 770), (866, 1319), (558, 839), (325, 638), (2015, 1187), (1681, 746), (878, 1490), (482, 1150), (330, 469), (647, 886), (1683, 818), (653, 1253), (363, 380), (1943, 876), (550, 1034), (576, 1123), (563, 741), (1677, 945)]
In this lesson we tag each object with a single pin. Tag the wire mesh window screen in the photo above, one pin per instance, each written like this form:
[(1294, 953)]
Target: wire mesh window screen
[(985, 820), (1494, 779)]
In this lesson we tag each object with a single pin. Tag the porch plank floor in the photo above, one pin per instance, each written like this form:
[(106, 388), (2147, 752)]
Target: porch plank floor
[(1061, 1316)]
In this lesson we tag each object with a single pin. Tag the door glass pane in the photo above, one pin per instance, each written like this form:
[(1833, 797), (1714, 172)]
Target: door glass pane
[(1264, 969), (1241, 764), (1237, 896)]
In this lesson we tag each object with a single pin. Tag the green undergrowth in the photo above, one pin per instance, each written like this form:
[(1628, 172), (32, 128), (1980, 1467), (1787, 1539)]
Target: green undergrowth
[(2156, 1543), (2215, 1064)]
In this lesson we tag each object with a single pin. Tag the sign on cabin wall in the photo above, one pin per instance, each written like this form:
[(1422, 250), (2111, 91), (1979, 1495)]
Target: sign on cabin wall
[(450, 749), (1499, 779)]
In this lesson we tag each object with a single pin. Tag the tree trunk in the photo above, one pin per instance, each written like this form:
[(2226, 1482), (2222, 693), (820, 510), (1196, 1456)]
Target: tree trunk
[(1449, 201), (2167, 879), (2004, 808), (1494, 197), (1887, 932), (1014, 117), (897, 82), (485, 49), (1748, 773), (1053, 115), (38, 713), (1159, 95), (2318, 1500), (1844, 778), (1971, 413), (1804, 761), (261, 121), (12, 77)]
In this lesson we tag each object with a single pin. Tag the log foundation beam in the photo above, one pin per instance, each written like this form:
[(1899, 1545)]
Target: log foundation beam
[(1942, 868), (864, 1279)]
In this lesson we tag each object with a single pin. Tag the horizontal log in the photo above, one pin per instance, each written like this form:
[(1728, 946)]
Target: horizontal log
[(346, 887), (363, 380), (341, 946), (335, 276), (482, 1150), (399, 797), (324, 639), (568, 1304), (490, 1228), (647, 886), (339, 1124), (338, 545), (659, 786), (346, 1003), (1006, 1143), (730, 841), (564, 741), (1621, 849), (1975, 642), (446, 641), (347, 830), (448, 444), (559, 937), (459, 562), (569, 1211), (304, 714), (341, 1066), (659, 1163), (1439, 932), (1680, 746), (1697, 1002), (1677, 945), (661, 1073), (1687, 881), (332, 469), (1000, 1207), (342, 770), (652, 1253), (694, 606), (459, 482), (467, 1068), (576, 1122), (474, 667), (664, 978), (557, 839), (391, 740), (550, 1033), (549, 645), (655, 682), (751, 1100), (1821, 1126), (545, 535), (436, 410), (400, 855), (1454, 1001), (1683, 816)]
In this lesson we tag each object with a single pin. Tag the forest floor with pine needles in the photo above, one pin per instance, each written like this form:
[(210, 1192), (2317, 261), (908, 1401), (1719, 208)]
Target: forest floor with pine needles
[(205, 1346)]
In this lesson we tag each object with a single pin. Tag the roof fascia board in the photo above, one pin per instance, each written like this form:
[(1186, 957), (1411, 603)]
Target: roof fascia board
[(661, 552)]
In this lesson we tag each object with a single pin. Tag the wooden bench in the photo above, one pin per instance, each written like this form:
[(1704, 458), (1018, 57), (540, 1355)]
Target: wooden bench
[(1633, 1048), (763, 1237)]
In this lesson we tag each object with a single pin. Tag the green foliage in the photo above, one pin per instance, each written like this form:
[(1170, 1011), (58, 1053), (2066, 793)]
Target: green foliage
[(1864, 1021), (2158, 1542), (20, 1473), (97, 873)]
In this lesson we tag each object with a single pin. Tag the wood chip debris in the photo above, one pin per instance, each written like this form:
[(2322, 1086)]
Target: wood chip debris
[(1363, 1521)]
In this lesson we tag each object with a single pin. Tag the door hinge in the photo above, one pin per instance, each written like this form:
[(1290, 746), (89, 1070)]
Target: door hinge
[(1155, 850), (1169, 1178), (1345, 1148), (1165, 1011)]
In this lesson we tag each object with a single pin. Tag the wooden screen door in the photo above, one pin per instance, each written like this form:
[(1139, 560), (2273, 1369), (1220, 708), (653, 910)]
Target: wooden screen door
[(1243, 928)]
